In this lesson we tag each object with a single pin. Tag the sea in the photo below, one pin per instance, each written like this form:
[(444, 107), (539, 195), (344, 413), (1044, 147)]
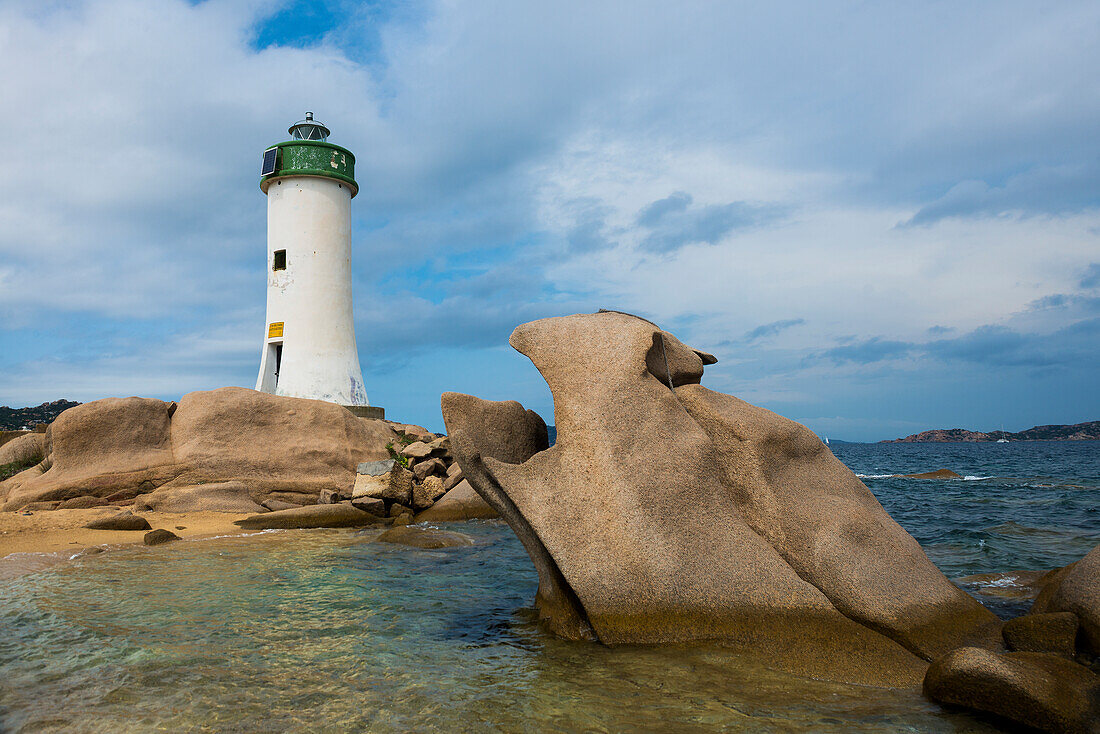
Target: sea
[(327, 631)]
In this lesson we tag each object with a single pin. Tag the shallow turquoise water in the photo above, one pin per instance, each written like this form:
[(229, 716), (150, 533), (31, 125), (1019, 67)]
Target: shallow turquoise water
[(326, 631)]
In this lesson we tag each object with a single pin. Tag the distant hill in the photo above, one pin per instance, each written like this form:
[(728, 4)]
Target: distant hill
[(1078, 432), (14, 419)]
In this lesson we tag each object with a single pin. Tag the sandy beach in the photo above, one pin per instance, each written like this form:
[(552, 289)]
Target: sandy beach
[(63, 530)]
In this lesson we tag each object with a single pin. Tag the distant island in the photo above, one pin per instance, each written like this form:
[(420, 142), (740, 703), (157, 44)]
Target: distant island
[(18, 419), (1078, 432)]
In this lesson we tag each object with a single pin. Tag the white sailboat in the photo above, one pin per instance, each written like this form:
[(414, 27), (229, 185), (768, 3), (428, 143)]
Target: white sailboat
[(1002, 439)]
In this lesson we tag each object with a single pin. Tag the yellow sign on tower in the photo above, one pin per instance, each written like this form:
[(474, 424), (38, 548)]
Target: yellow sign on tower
[(274, 329)]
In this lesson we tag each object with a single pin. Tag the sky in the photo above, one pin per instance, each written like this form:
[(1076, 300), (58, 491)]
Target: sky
[(881, 217)]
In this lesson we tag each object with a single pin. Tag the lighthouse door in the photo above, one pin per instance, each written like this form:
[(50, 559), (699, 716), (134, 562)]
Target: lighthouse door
[(270, 366)]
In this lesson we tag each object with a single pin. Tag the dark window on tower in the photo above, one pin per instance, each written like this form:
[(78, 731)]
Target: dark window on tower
[(280, 260)]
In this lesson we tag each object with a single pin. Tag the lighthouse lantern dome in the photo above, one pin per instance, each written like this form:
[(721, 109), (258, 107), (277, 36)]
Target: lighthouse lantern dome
[(308, 129), (308, 153)]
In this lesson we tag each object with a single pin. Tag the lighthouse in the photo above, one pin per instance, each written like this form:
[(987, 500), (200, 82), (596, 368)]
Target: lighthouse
[(309, 346)]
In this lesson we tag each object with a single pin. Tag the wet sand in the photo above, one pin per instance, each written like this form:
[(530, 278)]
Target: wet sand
[(61, 531)]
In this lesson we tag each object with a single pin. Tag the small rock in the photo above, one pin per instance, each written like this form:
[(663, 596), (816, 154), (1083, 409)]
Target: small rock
[(435, 486), (1077, 589), (372, 505), (1054, 632), (402, 519), (442, 445), (460, 503), (452, 480), (1040, 690), (122, 521), (396, 510), (159, 537), (416, 450), (399, 487), (426, 493), (374, 468), (418, 432), (328, 497), (453, 469), (428, 538), (394, 485), (426, 468)]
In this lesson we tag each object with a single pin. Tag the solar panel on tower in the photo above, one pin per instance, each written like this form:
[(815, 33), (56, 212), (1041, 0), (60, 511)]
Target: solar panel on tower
[(271, 155)]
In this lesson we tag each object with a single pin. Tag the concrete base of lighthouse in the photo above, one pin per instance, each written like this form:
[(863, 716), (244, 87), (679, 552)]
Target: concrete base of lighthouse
[(367, 411)]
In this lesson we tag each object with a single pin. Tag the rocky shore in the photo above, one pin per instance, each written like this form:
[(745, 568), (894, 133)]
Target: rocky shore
[(664, 513), (227, 461), (233, 450)]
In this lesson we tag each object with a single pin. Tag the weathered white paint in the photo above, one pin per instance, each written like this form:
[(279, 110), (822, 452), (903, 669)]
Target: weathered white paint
[(310, 218)]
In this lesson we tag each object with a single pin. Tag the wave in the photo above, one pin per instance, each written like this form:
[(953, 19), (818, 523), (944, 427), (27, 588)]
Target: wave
[(967, 478), (22, 563), (1021, 585)]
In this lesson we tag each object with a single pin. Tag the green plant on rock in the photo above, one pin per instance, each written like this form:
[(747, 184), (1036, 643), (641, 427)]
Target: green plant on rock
[(402, 460), (7, 471)]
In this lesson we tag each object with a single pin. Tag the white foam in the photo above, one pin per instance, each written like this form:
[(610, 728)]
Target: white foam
[(974, 478), (875, 476), (1003, 582), (238, 535)]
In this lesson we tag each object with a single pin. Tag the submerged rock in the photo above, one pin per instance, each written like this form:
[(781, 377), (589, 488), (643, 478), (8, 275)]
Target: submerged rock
[(125, 520), (1007, 584), (938, 474), (310, 516), (676, 513), (428, 538), (1040, 690)]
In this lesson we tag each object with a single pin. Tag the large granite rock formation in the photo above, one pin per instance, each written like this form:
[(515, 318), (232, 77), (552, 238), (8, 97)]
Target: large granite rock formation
[(669, 512), (287, 449)]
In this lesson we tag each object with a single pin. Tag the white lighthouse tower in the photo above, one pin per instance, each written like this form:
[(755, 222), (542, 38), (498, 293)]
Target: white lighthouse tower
[(309, 350)]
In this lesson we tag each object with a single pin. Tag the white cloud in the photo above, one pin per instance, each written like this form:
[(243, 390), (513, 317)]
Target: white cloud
[(516, 144)]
